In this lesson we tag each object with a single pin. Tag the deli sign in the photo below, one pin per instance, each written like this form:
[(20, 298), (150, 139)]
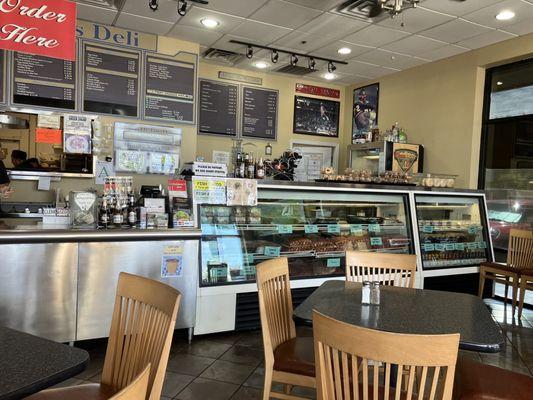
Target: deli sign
[(44, 27)]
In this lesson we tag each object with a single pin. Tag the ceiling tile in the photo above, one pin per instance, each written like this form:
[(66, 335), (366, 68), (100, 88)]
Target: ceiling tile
[(455, 31), (443, 52), (486, 16), (324, 5), (415, 20), (260, 33), (319, 75), (331, 50), (293, 42), (282, 13), (375, 35), (96, 14), (142, 24), (198, 35), (247, 63), (234, 7), (226, 22), (486, 39), (458, 8), (352, 80), (167, 10), (333, 26), (521, 28), (224, 44), (389, 59), (365, 69), (414, 45)]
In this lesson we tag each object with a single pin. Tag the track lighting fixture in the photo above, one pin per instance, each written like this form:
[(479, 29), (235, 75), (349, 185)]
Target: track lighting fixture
[(331, 67), (182, 7), (153, 4), (311, 64), (294, 60), (274, 56), (250, 52)]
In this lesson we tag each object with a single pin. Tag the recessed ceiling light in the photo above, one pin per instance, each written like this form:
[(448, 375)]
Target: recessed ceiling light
[(505, 15), (261, 65), (329, 76), (499, 83), (344, 50), (209, 22)]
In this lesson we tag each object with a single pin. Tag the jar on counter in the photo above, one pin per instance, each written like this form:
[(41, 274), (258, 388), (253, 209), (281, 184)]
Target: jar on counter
[(375, 295), (365, 293)]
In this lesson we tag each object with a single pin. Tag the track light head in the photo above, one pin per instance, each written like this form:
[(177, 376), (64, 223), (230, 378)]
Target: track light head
[(250, 52), (311, 64), (331, 67), (153, 4), (294, 60), (182, 7), (274, 56)]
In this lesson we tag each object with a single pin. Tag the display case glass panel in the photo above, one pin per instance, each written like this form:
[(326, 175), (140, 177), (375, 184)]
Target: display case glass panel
[(452, 230), (313, 229)]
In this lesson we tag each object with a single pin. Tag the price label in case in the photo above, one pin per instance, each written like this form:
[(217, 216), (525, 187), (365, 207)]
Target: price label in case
[(334, 262), (249, 270), (427, 229), (311, 228), (459, 246), (250, 258), (376, 241), (428, 247), (356, 230), (471, 246), (271, 251), (473, 229), (208, 229), (482, 245), (440, 247), (374, 228), (284, 229), (450, 246), (334, 228)]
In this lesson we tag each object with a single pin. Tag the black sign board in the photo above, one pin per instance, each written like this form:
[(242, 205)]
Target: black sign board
[(110, 80), (169, 89), (43, 81), (259, 113), (218, 108), (2, 76)]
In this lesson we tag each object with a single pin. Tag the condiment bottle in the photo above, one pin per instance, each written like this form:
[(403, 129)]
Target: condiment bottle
[(365, 293), (375, 295)]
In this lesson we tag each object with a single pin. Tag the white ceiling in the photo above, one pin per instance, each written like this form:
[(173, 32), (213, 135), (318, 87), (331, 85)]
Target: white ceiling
[(436, 29)]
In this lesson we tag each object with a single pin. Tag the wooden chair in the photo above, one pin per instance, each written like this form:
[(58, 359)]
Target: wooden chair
[(526, 283), (347, 359), (141, 331), (288, 359), (388, 269), (137, 389), (519, 258)]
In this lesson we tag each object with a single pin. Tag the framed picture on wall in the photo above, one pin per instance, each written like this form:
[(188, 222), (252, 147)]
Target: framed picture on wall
[(316, 116), (365, 109)]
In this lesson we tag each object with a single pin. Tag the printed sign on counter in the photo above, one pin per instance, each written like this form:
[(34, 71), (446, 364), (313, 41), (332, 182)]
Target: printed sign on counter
[(172, 261), (209, 191)]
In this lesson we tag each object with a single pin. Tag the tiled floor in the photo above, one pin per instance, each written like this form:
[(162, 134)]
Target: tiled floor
[(229, 366)]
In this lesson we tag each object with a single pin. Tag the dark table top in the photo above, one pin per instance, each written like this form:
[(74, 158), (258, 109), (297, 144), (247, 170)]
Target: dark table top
[(29, 363), (413, 311)]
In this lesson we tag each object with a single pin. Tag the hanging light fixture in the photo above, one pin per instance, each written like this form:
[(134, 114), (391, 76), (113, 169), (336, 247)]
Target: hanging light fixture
[(274, 56), (294, 60), (311, 64), (250, 52), (182, 7), (331, 67), (153, 4)]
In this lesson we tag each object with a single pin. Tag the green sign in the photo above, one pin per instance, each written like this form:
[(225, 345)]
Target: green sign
[(428, 247), (376, 241), (356, 230), (311, 228), (374, 228), (272, 251), (334, 262), (284, 229), (334, 228), (427, 229)]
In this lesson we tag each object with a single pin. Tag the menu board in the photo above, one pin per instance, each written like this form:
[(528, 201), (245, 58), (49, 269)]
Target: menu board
[(218, 108), (111, 80), (169, 92), (259, 113), (2, 76), (44, 81)]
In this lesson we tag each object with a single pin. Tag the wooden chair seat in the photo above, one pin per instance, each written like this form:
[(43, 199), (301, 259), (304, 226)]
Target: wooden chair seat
[(476, 381), (296, 356), (504, 268), (93, 391)]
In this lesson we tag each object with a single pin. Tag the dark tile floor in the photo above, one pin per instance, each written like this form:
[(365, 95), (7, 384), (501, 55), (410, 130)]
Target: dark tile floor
[(229, 366)]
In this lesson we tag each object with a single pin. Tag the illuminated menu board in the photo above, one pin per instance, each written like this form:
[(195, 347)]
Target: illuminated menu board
[(43, 81), (169, 94), (111, 80), (259, 113), (218, 108)]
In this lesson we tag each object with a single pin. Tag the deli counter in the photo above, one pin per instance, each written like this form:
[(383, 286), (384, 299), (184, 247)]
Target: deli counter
[(314, 224)]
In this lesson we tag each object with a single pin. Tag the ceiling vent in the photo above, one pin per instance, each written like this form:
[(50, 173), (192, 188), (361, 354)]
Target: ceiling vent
[(222, 56), (294, 70), (360, 9)]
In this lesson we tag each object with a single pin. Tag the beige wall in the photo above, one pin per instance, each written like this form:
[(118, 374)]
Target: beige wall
[(440, 105)]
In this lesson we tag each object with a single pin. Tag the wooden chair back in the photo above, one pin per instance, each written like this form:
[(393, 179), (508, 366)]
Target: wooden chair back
[(141, 331), (275, 304), (386, 268), (348, 360), (137, 389), (520, 253)]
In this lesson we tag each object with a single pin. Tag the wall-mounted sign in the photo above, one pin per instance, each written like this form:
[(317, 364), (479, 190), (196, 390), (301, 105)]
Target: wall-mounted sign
[(318, 91), (230, 76), (259, 113), (218, 108), (316, 116), (169, 89), (39, 27), (114, 35)]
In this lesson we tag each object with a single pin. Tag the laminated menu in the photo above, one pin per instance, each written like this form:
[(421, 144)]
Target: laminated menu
[(241, 192)]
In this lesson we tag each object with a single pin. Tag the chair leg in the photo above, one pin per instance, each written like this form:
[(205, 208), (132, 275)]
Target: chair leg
[(506, 291), (268, 383), (523, 284), (481, 282), (515, 292), (288, 389)]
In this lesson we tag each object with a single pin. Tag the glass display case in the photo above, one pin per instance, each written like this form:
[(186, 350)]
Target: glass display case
[(452, 231), (312, 228)]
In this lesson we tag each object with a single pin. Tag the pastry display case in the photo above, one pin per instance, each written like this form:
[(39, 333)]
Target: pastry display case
[(452, 230), (312, 228)]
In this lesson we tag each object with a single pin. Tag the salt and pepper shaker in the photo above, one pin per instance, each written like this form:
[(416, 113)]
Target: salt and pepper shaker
[(365, 293), (375, 293)]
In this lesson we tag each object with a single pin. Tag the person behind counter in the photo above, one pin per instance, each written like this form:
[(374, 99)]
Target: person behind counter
[(20, 160), (5, 190)]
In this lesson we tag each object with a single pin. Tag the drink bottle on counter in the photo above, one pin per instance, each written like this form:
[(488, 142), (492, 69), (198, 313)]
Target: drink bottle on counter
[(103, 218)]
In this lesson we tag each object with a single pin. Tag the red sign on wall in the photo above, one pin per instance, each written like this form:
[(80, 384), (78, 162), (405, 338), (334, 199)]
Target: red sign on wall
[(44, 27), (318, 91)]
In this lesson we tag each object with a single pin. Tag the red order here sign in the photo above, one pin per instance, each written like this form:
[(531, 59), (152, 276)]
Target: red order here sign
[(44, 27)]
